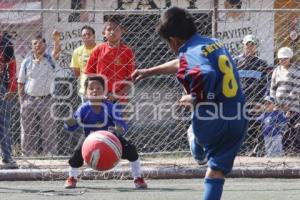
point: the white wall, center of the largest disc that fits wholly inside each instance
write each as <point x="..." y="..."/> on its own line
<point x="70" y="31"/>
<point x="230" y="28"/>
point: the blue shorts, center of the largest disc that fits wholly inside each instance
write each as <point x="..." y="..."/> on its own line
<point x="221" y="139"/>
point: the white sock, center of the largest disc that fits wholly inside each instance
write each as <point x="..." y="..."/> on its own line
<point x="135" y="169"/>
<point x="74" y="172"/>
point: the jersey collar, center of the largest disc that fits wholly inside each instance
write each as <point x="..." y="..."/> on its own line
<point x="188" y="43"/>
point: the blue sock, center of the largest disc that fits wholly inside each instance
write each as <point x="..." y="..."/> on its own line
<point x="213" y="189"/>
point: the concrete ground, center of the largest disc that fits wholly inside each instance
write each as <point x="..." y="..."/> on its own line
<point x="167" y="189"/>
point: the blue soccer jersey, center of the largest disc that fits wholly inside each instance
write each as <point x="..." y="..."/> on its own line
<point x="91" y="121"/>
<point x="273" y="123"/>
<point x="208" y="73"/>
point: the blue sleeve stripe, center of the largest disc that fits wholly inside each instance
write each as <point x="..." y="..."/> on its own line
<point x="71" y="128"/>
<point x="250" y="74"/>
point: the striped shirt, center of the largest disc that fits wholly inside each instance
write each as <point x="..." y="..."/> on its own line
<point x="285" y="87"/>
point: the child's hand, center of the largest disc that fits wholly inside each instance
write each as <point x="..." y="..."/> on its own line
<point x="187" y="100"/>
<point x="111" y="97"/>
<point x="9" y="96"/>
<point x="288" y="114"/>
<point x="71" y="121"/>
<point x="111" y="129"/>
<point x="118" y="130"/>
<point x="285" y="108"/>
<point x="139" y="74"/>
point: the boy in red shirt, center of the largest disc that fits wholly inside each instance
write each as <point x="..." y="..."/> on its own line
<point x="114" y="60"/>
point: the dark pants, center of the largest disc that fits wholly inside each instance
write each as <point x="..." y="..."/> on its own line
<point x="36" y="113"/>
<point x="254" y="142"/>
<point x="291" y="138"/>
<point x="5" y="115"/>
<point x="128" y="152"/>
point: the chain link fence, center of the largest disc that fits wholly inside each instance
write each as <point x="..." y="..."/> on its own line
<point x="157" y="124"/>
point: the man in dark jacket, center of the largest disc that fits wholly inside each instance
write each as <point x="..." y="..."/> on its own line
<point x="254" y="76"/>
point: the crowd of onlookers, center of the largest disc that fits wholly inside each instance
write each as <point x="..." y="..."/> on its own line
<point x="275" y="90"/>
<point x="112" y="59"/>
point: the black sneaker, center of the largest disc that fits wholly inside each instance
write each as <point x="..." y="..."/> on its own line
<point x="202" y="162"/>
<point x="9" y="164"/>
<point x="201" y="158"/>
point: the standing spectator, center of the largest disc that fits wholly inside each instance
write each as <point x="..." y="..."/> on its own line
<point x="285" y="90"/>
<point x="7" y="90"/>
<point x="254" y="74"/>
<point x="82" y="54"/>
<point x="35" y="80"/>
<point x="113" y="60"/>
<point x="273" y="126"/>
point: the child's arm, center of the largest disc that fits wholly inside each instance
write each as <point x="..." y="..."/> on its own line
<point x="117" y="129"/>
<point x="121" y="126"/>
<point x="260" y="117"/>
<point x="170" y="67"/>
<point x="72" y="124"/>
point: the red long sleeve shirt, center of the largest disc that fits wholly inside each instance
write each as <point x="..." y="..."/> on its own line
<point x="8" y="64"/>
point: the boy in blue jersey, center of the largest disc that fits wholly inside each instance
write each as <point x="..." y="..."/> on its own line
<point x="274" y="123"/>
<point x="99" y="114"/>
<point x="210" y="79"/>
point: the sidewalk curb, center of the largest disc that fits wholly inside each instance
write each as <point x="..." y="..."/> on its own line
<point x="174" y="172"/>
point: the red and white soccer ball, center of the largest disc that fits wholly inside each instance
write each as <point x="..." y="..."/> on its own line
<point x="101" y="150"/>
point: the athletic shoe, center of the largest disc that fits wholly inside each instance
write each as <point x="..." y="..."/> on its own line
<point x="9" y="164"/>
<point x="70" y="182"/>
<point x="140" y="183"/>
<point x="197" y="149"/>
<point x="202" y="161"/>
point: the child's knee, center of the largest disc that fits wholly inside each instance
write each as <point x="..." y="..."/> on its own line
<point x="130" y="153"/>
<point x="214" y="174"/>
<point x="75" y="163"/>
<point x="76" y="160"/>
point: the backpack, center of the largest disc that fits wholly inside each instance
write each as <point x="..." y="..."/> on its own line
<point x="28" y="62"/>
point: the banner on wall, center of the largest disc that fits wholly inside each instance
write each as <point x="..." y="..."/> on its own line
<point x="20" y="26"/>
<point x="233" y="26"/>
<point x="69" y="25"/>
<point x="12" y="18"/>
